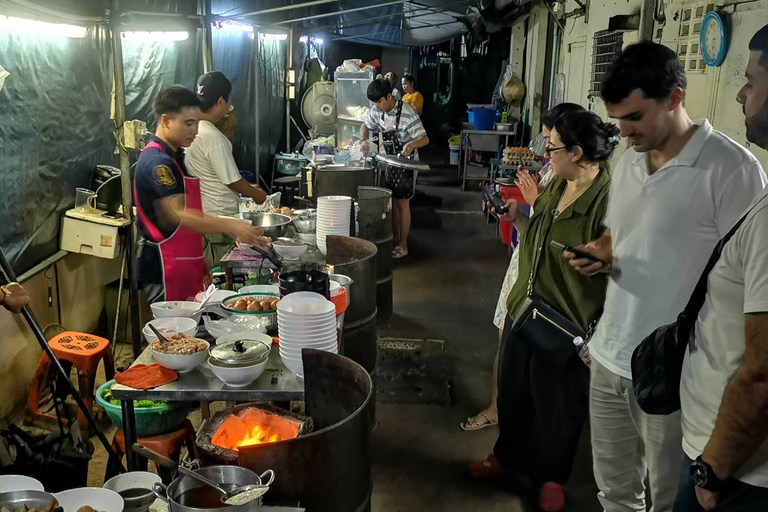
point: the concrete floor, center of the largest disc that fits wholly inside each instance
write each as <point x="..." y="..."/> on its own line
<point x="447" y="288"/>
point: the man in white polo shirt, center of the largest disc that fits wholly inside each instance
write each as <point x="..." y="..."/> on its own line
<point x="676" y="191"/>
<point x="724" y="390"/>
<point x="210" y="159"/>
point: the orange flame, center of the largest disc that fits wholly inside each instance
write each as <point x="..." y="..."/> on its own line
<point x="258" y="435"/>
<point x="253" y="427"/>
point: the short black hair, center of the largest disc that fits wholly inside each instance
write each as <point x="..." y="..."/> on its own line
<point x="759" y="42"/>
<point x="586" y="130"/>
<point x="653" y="68"/>
<point x="378" y="89"/>
<point x="410" y="79"/>
<point x="173" y="100"/>
<point x="549" y="117"/>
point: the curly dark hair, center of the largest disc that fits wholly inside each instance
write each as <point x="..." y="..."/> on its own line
<point x="653" y="68"/>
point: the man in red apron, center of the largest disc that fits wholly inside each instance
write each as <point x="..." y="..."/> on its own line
<point x="170" y="263"/>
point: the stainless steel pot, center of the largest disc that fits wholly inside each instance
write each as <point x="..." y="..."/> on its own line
<point x="228" y="476"/>
<point x="14" y="500"/>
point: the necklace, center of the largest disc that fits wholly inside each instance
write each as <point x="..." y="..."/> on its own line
<point x="563" y="204"/>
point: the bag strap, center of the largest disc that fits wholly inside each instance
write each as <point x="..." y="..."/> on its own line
<point x="397" y="114"/>
<point x="536" y="255"/>
<point x="691" y="311"/>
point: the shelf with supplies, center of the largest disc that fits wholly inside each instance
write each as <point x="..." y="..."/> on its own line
<point x="477" y="141"/>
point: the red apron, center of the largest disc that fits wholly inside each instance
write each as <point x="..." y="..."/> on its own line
<point x="181" y="254"/>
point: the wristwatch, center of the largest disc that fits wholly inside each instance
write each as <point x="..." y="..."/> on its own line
<point x="704" y="476"/>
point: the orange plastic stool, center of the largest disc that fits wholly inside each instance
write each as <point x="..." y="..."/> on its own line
<point x="168" y="445"/>
<point x="84" y="352"/>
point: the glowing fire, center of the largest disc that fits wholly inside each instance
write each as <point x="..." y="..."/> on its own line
<point x="254" y="426"/>
<point x="259" y="435"/>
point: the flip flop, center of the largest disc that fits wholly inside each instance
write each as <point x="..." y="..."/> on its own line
<point x="399" y="252"/>
<point x="472" y="424"/>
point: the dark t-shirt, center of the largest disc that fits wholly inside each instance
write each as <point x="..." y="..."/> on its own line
<point x="157" y="177"/>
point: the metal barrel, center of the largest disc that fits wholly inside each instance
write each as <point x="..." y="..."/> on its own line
<point x="375" y="223"/>
<point x="342" y="180"/>
<point x="356" y="258"/>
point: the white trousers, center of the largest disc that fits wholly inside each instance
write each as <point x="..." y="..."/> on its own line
<point x="627" y="444"/>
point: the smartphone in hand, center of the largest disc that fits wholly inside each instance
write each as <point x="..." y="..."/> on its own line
<point x="495" y="199"/>
<point x="576" y="252"/>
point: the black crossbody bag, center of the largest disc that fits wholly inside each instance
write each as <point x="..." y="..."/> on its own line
<point x="542" y="327"/>
<point x="657" y="363"/>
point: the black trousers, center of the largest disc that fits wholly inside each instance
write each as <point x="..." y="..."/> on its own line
<point x="542" y="409"/>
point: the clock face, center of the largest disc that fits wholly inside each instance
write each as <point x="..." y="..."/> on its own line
<point x="712" y="37"/>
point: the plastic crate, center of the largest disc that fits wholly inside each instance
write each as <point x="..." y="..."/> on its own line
<point x="150" y="421"/>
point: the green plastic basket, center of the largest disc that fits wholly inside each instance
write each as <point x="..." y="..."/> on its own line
<point x="150" y="421"/>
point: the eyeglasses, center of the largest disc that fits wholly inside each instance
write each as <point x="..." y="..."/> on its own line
<point x="548" y="151"/>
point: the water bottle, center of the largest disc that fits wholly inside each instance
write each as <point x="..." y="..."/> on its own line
<point x="583" y="349"/>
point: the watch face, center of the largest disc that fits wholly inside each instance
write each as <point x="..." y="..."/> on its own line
<point x="699" y="475"/>
<point x="713" y="38"/>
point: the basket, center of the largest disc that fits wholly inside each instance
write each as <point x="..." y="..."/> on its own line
<point x="150" y="421"/>
<point x="270" y="317"/>
<point x="288" y="165"/>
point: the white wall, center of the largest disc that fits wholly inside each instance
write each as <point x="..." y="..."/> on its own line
<point x="711" y="94"/>
<point x="82" y="280"/>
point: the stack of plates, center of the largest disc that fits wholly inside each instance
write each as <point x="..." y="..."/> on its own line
<point x="305" y="320"/>
<point x="333" y="218"/>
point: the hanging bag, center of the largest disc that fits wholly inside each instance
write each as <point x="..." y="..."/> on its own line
<point x="657" y="363"/>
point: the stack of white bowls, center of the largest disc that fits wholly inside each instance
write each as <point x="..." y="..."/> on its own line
<point x="333" y="218"/>
<point x="305" y="320"/>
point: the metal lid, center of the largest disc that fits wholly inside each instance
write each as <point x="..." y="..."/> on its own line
<point x="242" y="352"/>
<point x="402" y="162"/>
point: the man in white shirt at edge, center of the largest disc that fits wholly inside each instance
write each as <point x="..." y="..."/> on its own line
<point x="724" y="388"/>
<point x="677" y="190"/>
<point x="210" y="159"/>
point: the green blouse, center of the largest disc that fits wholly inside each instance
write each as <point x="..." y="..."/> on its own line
<point x="578" y="297"/>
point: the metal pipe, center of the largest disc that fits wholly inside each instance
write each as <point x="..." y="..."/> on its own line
<point x="288" y="67"/>
<point x="285" y="8"/>
<point x="647" y="11"/>
<point x="553" y="69"/>
<point x="257" y="90"/>
<point x="207" y="38"/>
<point x="345" y="11"/>
<point x="42" y="266"/>
<point x="125" y="168"/>
<point x="390" y="31"/>
<point x="368" y="21"/>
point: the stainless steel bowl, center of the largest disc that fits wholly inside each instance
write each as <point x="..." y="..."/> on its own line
<point x="305" y="225"/>
<point x="274" y="224"/>
<point x="14" y="500"/>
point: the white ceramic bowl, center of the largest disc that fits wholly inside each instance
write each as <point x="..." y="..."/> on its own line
<point x="102" y="500"/>
<point x="293" y="346"/>
<point x="260" y="288"/>
<point x="294" y="365"/>
<point x="308" y="238"/>
<point x="297" y="352"/>
<point x="305" y="304"/>
<point x="182" y="363"/>
<point x="10" y="483"/>
<point x="238" y="377"/>
<point x="170" y="326"/>
<point x="174" y="308"/>
<point x="289" y="252"/>
<point x="331" y="199"/>
<point x="135" y="480"/>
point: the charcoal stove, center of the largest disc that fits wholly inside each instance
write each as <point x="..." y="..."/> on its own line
<point x="326" y="466"/>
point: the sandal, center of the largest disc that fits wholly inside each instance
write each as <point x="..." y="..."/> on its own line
<point x="486" y="469"/>
<point x="399" y="252"/>
<point x="551" y="497"/>
<point x="478" y="422"/>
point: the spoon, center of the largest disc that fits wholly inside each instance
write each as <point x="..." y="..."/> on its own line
<point x="239" y="496"/>
<point x="162" y="338"/>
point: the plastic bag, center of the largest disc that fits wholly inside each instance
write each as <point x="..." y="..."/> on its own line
<point x="3" y="75"/>
<point x="247" y="204"/>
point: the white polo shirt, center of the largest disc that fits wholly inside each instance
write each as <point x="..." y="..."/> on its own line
<point x="664" y="227"/>
<point x="737" y="285"/>
<point x="210" y="159"/>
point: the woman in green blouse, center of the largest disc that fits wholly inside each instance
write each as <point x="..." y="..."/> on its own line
<point x="542" y="407"/>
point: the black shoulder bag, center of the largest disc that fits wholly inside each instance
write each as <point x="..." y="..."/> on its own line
<point x="657" y="363"/>
<point x="547" y="331"/>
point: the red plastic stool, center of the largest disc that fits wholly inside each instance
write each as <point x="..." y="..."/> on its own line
<point x="168" y="445"/>
<point x="84" y="352"/>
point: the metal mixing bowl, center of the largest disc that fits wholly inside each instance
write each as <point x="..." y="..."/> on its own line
<point x="274" y="224"/>
<point x="32" y="499"/>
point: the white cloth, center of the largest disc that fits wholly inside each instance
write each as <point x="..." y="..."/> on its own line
<point x="737" y="285"/>
<point x="210" y="159"/>
<point x="627" y="443"/>
<point x="500" y="316"/>
<point x="664" y="227"/>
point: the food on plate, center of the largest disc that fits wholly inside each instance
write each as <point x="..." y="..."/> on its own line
<point x="254" y="304"/>
<point x="283" y="211"/>
<point x="179" y="344"/>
